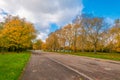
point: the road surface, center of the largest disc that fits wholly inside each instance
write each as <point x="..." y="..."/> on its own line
<point x="53" y="66"/>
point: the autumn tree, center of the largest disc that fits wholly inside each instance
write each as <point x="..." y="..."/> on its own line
<point x="86" y="33"/>
<point x="52" y="42"/>
<point x="61" y="38"/>
<point x="67" y="35"/>
<point x="80" y="38"/>
<point x="114" y="37"/>
<point x="18" y="33"/>
<point x="117" y="38"/>
<point x="37" y="45"/>
<point x="94" y="27"/>
<point x="44" y="46"/>
<point x="2" y="43"/>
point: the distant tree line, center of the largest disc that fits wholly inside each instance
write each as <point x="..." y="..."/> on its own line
<point x="16" y="34"/>
<point x="87" y="33"/>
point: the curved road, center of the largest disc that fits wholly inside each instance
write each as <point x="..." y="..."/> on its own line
<point x="53" y="66"/>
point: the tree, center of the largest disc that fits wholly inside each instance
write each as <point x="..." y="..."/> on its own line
<point x="52" y="42"/>
<point x="94" y="27"/>
<point x="37" y="45"/>
<point x="44" y="47"/>
<point x="80" y="37"/>
<point x="61" y="38"/>
<point x="2" y="41"/>
<point x="18" y="33"/>
<point x="68" y="35"/>
<point x="86" y="33"/>
<point x="114" y="37"/>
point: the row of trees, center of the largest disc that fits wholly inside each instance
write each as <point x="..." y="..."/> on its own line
<point x="86" y="33"/>
<point x="16" y="34"/>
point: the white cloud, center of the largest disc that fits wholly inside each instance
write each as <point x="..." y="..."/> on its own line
<point x="42" y="36"/>
<point x="44" y="12"/>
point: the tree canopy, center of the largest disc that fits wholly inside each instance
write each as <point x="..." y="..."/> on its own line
<point x="86" y="33"/>
<point x="16" y="34"/>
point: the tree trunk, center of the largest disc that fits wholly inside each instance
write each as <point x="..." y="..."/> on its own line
<point x="95" y="47"/>
<point x="83" y="47"/>
<point x="95" y="51"/>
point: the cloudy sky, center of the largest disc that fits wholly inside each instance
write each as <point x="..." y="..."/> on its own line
<point x="49" y="15"/>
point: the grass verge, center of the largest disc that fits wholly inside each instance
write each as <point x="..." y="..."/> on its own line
<point x="110" y="56"/>
<point x="12" y="64"/>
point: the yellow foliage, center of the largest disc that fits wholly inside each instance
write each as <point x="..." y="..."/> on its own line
<point x="18" y="33"/>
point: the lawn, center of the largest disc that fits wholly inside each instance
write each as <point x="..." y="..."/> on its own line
<point x="12" y="64"/>
<point x="110" y="56"/>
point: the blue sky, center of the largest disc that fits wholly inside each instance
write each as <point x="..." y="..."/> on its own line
<point x="50" y="15"/>
<point x="53" y="27"/>
<point x="101" y="8"/>
<point x="104" y="8"/>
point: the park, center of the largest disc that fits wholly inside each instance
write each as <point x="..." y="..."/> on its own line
<point x="63" y="41"/>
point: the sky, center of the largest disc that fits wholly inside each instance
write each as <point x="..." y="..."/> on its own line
<point x="50" y="15"/>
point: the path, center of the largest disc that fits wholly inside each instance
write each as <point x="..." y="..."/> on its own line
<point x="51" y="66"/>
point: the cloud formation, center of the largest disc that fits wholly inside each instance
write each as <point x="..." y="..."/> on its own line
<point x="43" y="12"/>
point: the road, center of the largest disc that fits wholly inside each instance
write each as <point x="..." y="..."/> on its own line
<point x="53" y="66"/>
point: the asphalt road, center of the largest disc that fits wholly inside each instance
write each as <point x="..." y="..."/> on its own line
<point x="52" y="66"/>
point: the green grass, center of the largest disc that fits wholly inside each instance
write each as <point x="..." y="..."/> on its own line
<point x="110" y="56"/>
<point x="12" y="64"/>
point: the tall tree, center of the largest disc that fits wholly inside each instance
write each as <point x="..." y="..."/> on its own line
<point x="37" y="45"/>
<point x="94" y="27"/>
<point x="18" y="33"/>
<point x="114" y="37"/>
<point x="2" y="39"/>
<point x="52" y="42"/>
